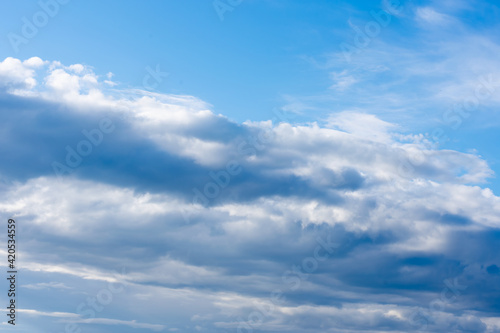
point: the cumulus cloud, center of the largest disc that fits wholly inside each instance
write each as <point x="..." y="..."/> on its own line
<point x="14" y="73"/>
<point x="211" y="216"/>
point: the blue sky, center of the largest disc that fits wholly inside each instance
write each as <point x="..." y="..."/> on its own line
<point x="178" y="163"/>
<point x="267" y="55"/>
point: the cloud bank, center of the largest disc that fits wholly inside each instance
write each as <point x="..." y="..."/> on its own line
<point x="357" y="226"/>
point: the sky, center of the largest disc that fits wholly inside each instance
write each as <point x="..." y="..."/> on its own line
<point x="251" y="165"/>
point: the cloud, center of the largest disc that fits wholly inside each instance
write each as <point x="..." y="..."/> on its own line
<point x="428" y="15"/>
<point x="131" y="323"/>
<point x="426" y="80"/>
<point x="342" y="81"/>
<point x="14" y="73"/>
<point x="46" y="286"/>
<point x="362" y="125"/>
<point x="74" y="318"/>
<point x="398" y="210"/>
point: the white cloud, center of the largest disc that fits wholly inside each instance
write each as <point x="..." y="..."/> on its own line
<point x="43" y="285"/>
<point x="428" y="15"/>
<point x="14" y="73"/>
<point x="75" y="318"/>
<point x="362" y="125"/>
<point x="342" y="80"/>
<point x="130" y="323"/>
